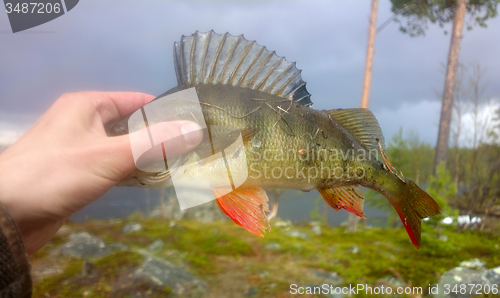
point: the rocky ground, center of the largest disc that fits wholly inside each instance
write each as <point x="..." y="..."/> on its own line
<point x="153" y="257"/>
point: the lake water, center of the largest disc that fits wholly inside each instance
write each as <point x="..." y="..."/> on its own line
<point x="295" y="206"/>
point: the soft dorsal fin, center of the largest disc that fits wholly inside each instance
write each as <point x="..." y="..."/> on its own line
<point x="363" y="124"/>
<point x="211" y="58"/>
<point x="350" y="198"/>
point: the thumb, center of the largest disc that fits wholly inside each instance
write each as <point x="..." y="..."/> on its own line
<point x="159" y="141"/>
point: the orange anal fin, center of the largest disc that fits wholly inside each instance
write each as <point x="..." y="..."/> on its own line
<point x="350" y="198"/>
<point x="246" y="206"/>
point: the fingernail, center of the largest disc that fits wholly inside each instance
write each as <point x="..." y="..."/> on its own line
<point x="191" y="132"/>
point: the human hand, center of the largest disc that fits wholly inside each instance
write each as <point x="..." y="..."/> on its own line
<point x="66" y="161"/>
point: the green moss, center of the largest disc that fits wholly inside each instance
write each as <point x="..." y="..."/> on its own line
<point x="386" y="252"/>
<point x="197" y="237"/>
<point x="211" y="249"/>
<point x="58" y="285"/>
<point x="115" y="263"/>
<point x="70" y="284"/>
<point x="203" y="265"/>
<point x="201" y="241"/>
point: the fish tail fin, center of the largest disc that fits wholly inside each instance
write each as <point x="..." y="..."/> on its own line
<point x="413" y="204"/>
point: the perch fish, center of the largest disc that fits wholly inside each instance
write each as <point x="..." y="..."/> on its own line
<point x="287" y="143"/>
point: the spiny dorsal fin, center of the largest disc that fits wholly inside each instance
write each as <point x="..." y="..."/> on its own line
<point x="350" y="198"/>
<point x="211" y="58"/>
<point x="363" y="124"/>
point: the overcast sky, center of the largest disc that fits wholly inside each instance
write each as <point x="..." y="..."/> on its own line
<point x="127" y="46"/>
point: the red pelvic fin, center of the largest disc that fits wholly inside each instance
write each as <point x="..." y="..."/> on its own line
<point x="246" y="206"/>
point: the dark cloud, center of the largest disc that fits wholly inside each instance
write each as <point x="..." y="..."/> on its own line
<point x="127" y="45"/>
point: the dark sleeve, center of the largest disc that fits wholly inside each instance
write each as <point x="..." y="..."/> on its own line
<point x="15" y="277"/>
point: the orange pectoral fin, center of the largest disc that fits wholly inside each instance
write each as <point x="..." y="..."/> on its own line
<point x="350" y="198"/>
<point x="246" y="206"/>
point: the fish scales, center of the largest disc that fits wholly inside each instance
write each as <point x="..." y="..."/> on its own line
<point x="283" y="137"/>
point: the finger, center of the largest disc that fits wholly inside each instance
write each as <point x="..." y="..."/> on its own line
<point x="113" y="105"/>
<point x="143" y="147"/>
<point x="177" y="137"/>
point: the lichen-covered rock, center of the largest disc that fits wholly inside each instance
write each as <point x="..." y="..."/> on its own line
<point x="329" y="277"/>
<point x="119" y="246"/>
<point x="473" y="264"/>
<point x="279" y="223"/>
<point x="84" y="245"/>
<point x="156" y="245"/>
<point x="273" y="246"/>
<point x="132" y="227"/>
<point x="316" y="228"/>
<point x="493" y="275"/>
<point x="354" y="249"/>
<point x="158" y="275"/>
<point x="297" y="234"/>
<point x="327" y="285"/>
<point x="464" y="275"/>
